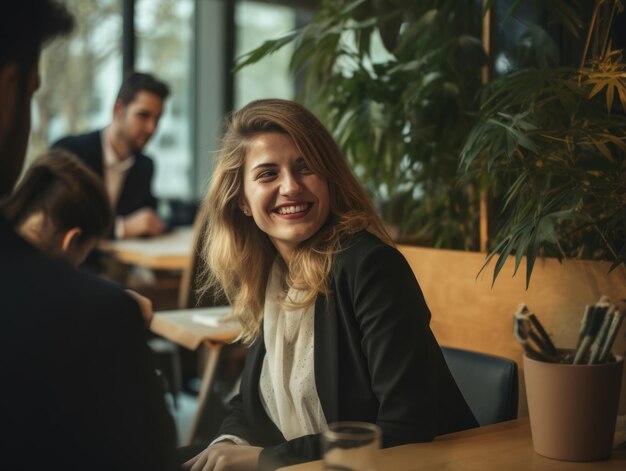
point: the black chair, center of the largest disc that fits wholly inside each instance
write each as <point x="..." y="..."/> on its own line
<point x="488" y="383"/>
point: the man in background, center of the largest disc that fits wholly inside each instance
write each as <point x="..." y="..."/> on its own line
<point x="79" y="388"/>
<point x="115" y="154"/>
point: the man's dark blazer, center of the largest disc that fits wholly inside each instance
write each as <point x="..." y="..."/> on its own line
<point x="376" y="360"/>
<point x="79" y="388"/>
<point x="137" y="190"/>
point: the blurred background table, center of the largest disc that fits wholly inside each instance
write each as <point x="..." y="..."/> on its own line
<point x="507" y="445"/>
<point x="170" y="251"/>
<point x="152" y="266"/>
<point x="192" y="328"/>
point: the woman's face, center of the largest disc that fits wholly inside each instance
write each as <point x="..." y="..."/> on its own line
<point x="286" y="199"/>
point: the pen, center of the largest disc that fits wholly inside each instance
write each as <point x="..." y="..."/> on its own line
<point x="598" y="343"/>
<point x="612" y="333"/>
<point x="594" y="321"/>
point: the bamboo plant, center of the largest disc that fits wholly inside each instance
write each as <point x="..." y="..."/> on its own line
<point x="551" y="142"/>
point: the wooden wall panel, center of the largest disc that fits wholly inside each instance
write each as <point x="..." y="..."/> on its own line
<point x="468" y="313"/>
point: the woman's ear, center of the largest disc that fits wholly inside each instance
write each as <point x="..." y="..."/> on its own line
<point x="74" y="249"/>
<point x="70" y="238"/>
<point x="245" y="209"/>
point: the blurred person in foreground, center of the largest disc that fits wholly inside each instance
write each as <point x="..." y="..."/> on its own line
<point x="61" y="207"/>
<point x="80" y="390"/>
<point x="115" y="154"/>
<point x="337" y="325"/>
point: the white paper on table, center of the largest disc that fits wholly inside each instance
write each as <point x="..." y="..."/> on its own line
<point x="211" y="320"/>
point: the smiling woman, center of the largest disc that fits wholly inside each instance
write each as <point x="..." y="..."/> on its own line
<point x="337" y="325"/>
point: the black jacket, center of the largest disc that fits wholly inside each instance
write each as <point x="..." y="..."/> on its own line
<point x="137" y="190"/>
<point x="79" y="389"/>
<point x="376" y="360"/>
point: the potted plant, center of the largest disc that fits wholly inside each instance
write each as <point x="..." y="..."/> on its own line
<point x="549" y="141"/>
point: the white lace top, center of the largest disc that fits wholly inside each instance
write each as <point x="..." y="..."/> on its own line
<point x="287" y="384"/>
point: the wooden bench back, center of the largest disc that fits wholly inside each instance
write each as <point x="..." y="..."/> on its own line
<point x="468" y="313"/>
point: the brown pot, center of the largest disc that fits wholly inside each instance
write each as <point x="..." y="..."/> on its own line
<point x="573" y="408"/>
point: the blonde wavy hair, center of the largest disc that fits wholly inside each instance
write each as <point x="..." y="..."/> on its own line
<point x="237" y="253"/>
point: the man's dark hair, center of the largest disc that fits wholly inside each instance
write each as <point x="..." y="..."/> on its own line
<point x="136" y="82"/>
<point x="26" y="26"/>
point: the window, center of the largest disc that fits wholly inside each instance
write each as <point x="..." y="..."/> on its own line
<point x="255" y="23"/>
<point x="181" y="42"/>
<point x="80" y="76"/>
<point x="164" y="30"/>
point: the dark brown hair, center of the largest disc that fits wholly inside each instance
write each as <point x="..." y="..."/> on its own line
<point x="136" y="82"/>
<point x="27" y="25"/>
<point x="66" y="192"/>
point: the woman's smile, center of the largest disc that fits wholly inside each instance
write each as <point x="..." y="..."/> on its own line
<point x="293" y="211"/>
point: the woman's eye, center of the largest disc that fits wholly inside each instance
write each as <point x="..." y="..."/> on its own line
<point x="265" y="175"/>
<point x="305" y="170"/>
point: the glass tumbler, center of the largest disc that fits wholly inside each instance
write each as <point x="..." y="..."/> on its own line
<point x="351" y="446"/>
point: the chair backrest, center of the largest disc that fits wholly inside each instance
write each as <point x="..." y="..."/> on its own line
<point x="189" y="295"/>
<point x="488" y="383"/>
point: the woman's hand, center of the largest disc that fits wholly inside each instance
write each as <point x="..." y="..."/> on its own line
<point x="225" y="456"/>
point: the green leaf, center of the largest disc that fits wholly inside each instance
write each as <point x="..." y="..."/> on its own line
<point x="487" y="5"/>
<point x="569" y="214"/>
<point x="602" y="148"/>
<point x="526" y="233"/>
<point x="531" y="256"/>
<point x="351" y="7"/>
<point x="547" y="232"/>
<point x="517" y="136"/>
<point x="514" y="189"/>
<point x="566" y="12"/>
<point x="267" y="48"/>
<point x="617" y="141"/>
<point x="504" y="255"/>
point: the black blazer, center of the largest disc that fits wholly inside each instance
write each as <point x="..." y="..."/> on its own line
<point x="137" y="190"/>
<point x="376" y="360"/>
<point x="79" y="388"/>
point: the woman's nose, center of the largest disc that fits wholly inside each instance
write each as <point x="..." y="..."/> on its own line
<point x="290" y="185"/>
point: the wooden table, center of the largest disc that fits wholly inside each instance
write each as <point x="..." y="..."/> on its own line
<point x="191" y="328"/>
<point x="505" y="446"/>
<point x="170" y="251"/>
